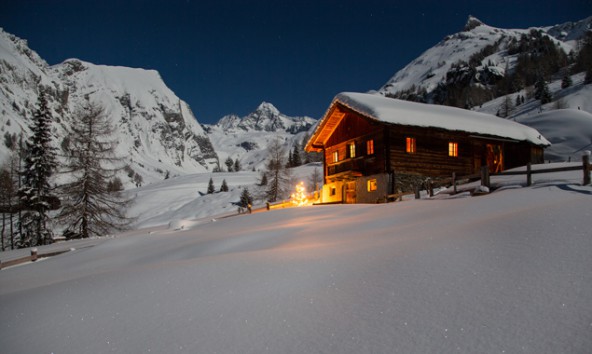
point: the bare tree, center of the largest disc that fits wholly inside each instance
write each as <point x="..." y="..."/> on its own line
<point x="89" y="206"/>
<point x="278" y="177"/>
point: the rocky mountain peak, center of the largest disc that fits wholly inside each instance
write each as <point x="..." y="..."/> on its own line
<point x="472" y="22"/>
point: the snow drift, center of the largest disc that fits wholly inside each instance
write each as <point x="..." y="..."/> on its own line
<point x="508" y="272"/>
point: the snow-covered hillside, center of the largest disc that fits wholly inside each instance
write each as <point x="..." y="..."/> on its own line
<point x="566" y="122"/>
<point x="156" y="130"/>
<point x="432" y="67"/>
<point x="508" y="272"/>
<point x="248" y="138"/>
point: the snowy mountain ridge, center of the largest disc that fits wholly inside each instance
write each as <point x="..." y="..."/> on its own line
<point x="435" y="65"/>
<point x="247" y="138"/>
<point x="156" y="131"/>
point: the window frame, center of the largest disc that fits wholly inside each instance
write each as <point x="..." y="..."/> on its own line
<point x="370" y="147"/>
<point x="372" y="185"/>
<point x="351" y="149"/>
<point x="410" y="145"/>
<point x="453" y="149"/>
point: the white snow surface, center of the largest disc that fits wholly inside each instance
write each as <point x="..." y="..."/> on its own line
<point x="425" y="115"/>
<point x="507" y="272"/>
<point x="430" y="68"/>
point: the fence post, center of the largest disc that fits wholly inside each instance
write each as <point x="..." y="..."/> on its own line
<point x="528" y="175"/>
<point x="454" y="182"/>
<point x="485" y="176"/>
<point x="416" y="190"/>
<point x="586" y="167"/>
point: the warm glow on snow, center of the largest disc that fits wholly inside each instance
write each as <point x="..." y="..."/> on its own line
<point x="299" y="198"/>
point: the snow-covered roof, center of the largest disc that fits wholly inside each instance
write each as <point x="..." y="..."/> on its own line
<point x="401" y="112"/>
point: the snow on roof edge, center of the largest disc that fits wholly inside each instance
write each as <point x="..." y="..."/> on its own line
<point x="395" y="111"/>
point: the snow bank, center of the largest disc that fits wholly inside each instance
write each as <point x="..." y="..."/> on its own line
<point x="508" y="272"/>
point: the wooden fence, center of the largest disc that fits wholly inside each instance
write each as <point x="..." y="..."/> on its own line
<point x="32" y="258"/>
<point x="585" y="168"/>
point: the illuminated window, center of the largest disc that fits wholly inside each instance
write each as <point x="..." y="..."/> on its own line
<point x="452" y="149"/>
<point x="410" y="145"/>
<point x="370" y="147"/>
<point x="352" y="150"/>
<point x="372" y="186"/>
<point x="335" y="156"/>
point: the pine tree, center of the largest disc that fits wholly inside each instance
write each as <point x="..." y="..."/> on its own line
<point x="245" y="199"/>
<point x="290" y="162"/>
<point x="229" y="164"/>
<point x="506" y="107"/>
<point x="566" y="81"/>
<point x="91" y="204"/>
<point x="224" y="186"/>
<point x="263" y="181"/>
<point x="237" y="165"/>
<point x="588" y="77"/>
<point x="296" y="160"/>
<point x="9" y="198"/>
<point x="211" y="189"/>
<point x="36" y="193"/>
<point x="542" y="92"/>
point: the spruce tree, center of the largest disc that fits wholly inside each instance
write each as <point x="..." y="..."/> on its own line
<point x="92" y="206"/>
<point x="211" y="189"/>
<point x="36" y="193"/>
<point x="296" y="160"/>
<point x="224" y="186"/>
<point x="542" y="92"/>
<point x="229" y="164"/>
<point x="237" y="165"/>
<point x="588" y="77"/>
<point x="263" y="181"/>
<point x="245" y="199"/>
<point x="566" y="81"/>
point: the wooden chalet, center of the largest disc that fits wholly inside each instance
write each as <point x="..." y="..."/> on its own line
<point x="374" y="146"/>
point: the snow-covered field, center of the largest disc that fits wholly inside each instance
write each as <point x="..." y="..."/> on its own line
<point x="507" y="272"/>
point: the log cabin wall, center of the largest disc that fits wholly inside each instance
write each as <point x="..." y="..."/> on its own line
<point x="431" y="155"/>
<point x="356" y="130"/>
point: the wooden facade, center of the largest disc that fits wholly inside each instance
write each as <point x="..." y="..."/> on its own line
<point x="366" y="159"/>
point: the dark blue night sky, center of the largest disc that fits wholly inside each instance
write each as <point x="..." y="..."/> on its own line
<point x="228" y="56"/>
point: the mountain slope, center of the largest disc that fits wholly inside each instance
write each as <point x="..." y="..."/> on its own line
<point x="248" y="138"/>
<point x="479" y="56"/>
<point x="156" y="131"/>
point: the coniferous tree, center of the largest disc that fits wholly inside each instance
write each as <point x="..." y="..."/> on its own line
<point x="296" y="160"/>
<point x="541" y="91"/>
<point x="245" y="199"/>
<point x="9" y="198"/>
<point x="224" y="186"/>
<point x="588" y="77"/>
<point x="229" y="164"/>
<point x="36" y="194"/>
<point x="506" y="107"/>
<point x="263" y="181"/>
<point x="237" y="165"/>
<point x="290" y="162"/>
<point x="92" y="206"/>
<point x="211" y="189"/>
<point x="566" y="81"/>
